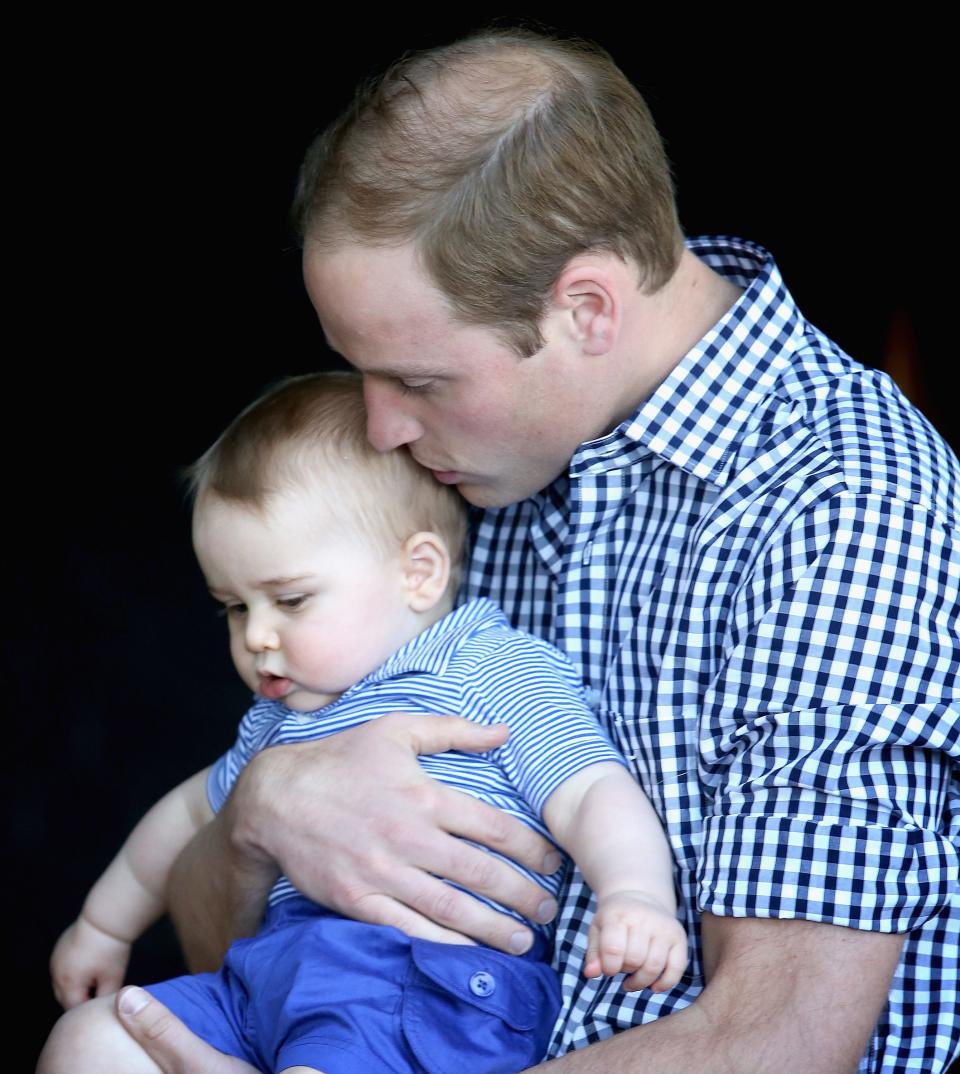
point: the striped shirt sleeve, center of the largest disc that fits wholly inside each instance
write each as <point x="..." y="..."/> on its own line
<point x="534" y="689"/>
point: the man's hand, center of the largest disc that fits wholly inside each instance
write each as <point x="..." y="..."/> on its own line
<point x="357" y="826"/>
<point x="631" y="933"/>
<point x="87" y="961"/>
<point x="167" y="1040"/>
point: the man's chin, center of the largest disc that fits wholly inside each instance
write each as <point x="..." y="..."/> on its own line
<point x="491" y="496"/>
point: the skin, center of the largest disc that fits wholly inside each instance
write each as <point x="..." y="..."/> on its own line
<point x="797" y="997"/>
<point x="780" y="995"/>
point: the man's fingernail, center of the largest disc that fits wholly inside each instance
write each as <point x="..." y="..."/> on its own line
<point x="133" y="1001"/>
<point x="551" y="863"/>
<point x="520" y="942"/>
<point x="546" y="911"/>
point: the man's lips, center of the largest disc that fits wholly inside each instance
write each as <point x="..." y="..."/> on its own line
<point x="272" y="687"/>
<point x="446" y="477"/>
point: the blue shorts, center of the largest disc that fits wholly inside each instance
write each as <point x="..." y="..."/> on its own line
<point x="315" y="989"/>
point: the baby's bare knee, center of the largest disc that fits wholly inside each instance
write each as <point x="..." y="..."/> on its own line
<point x="89" y="1039"/>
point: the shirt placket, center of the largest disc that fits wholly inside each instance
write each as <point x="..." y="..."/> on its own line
<point x="582" y="609"/>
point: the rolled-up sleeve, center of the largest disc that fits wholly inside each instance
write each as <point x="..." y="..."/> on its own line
<point x="830" y="740"/>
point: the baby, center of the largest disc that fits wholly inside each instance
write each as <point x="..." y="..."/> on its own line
<point x="337" y="569"/>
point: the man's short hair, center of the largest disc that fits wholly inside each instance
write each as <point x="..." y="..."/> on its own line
<point x="502" y="156"/>
<point x="308" y="434"/>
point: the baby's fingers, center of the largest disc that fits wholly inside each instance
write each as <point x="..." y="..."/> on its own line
<point x="613" y="947"/>
<point x="591" y="961"/>
<point x="662" y="966"/>
<point x="649" y="964"/>
<point x="71" y="992"/>
<point x="108" y="982"/>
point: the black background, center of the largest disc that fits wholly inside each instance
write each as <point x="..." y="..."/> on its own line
<point x="156" y="290"/>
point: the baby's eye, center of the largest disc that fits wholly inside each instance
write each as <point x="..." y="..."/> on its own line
<point x="234" y="611"/>
<point x="291" y="603"/>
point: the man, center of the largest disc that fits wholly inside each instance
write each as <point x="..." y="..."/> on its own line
<point x="747" y="544"/>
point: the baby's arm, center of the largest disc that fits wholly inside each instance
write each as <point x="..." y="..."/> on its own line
<point x="92" y="955"/>
<point x="607" y="825"/>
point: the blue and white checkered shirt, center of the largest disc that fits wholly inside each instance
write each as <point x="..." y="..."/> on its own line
<point x="757" y="577"/>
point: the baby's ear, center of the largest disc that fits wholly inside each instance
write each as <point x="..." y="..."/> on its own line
<point x="426" y="569"/>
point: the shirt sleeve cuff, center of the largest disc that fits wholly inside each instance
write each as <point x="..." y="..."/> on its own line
<point x="865" y="876"/>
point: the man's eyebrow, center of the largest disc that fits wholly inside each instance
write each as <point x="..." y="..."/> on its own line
<point x="405" y="373"/>
<point x="387" y="371"/>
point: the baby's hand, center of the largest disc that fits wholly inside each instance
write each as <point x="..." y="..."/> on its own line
<point x="87" y="960"/>
<point x="632" y="933"/>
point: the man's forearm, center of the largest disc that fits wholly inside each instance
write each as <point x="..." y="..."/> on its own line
<point x="216" y="895"/>
<point x="795" y="997"/>
<point x="670" y="1045"/>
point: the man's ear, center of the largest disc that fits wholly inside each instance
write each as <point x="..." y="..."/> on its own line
<point x="587" y="292"/>
<point x="426" y="570"/>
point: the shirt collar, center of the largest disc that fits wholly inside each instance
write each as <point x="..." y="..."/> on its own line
<point x="432" y="650"/>
<point x="695" y="416"/>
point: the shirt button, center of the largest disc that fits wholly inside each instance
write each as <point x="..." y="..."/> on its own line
<point x="483" y="984"/>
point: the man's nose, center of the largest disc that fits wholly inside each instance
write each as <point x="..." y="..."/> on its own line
<point x="260" y="633"/>
<point x="389" y="422"/>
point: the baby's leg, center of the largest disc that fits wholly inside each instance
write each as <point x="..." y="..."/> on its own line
<point x="89" y="1039"/>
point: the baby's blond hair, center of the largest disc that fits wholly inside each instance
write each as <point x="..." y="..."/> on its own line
<point x="308" y="434"/>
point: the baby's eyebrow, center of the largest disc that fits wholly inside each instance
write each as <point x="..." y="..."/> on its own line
<point x="272" y="582"/>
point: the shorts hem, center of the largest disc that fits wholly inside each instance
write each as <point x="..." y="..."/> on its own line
<point x="346" y="1060"/>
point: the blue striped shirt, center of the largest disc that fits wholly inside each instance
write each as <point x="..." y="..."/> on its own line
<point x="757" y="574"/>
<point x="473" y="664"/>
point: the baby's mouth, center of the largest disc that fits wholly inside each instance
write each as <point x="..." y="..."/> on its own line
<point x="271" y="686"/>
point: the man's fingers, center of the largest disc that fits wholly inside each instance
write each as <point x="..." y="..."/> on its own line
<point x="382" y="910"/>
<point x="490" y="827"/>
<point x="438" y="734"/>
<point x="440" y="911"/>
<point x="167" y="1040"/>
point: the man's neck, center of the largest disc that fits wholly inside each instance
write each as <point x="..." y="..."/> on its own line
<point x="660" y="329"/>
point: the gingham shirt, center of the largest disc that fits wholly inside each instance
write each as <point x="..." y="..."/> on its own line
<point x="756" y="575"/>
<point x="471" y="662"/>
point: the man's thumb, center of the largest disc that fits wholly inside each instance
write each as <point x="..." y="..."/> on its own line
<point x="167" y="1040"/>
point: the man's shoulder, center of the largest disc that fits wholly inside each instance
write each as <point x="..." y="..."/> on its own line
<point x="832" y="427"/>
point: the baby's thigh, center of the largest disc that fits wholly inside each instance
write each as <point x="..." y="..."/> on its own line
<point x="91" y="1038"/>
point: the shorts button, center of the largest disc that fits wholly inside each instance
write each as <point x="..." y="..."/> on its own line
<point x="483" y="984"/>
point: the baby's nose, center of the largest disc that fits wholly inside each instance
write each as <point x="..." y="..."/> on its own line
<point x="260" y="635"/>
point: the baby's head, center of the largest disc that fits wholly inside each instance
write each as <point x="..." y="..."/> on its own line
<point x="327" y="555"/>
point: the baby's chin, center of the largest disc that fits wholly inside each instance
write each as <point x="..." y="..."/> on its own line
<point x="298" y="700"/>
<point x="286" y="692"/>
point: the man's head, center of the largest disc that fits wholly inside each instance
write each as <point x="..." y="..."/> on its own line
<point x="476" y="229"/>
<point x="327" y="555"/>
<point x="500" y="158"/>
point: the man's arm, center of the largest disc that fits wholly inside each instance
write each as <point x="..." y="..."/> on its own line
<point x="793" y="997"/>
<point x="356" y="825"/>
